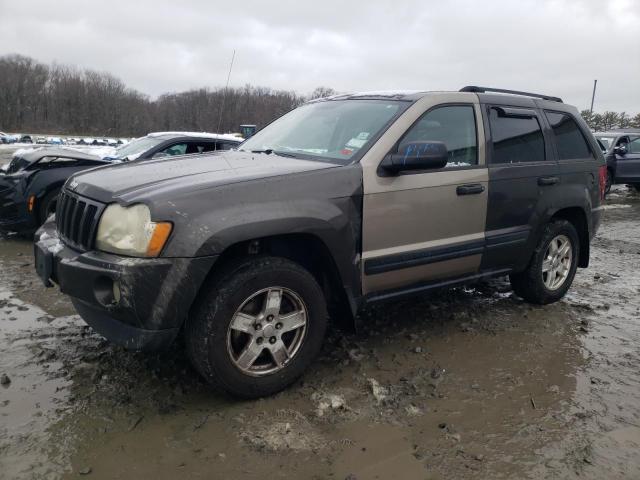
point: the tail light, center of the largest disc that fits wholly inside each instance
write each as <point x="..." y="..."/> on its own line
<point x="603" y="181"/>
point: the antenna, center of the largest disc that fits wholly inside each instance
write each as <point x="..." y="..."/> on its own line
<point x="224" y="94"/>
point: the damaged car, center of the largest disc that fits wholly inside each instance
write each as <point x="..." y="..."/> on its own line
<point x="343" y="202"/>
<point x="30" y="184"/>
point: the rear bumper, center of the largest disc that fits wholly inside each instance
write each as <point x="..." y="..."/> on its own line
<point x="139" y="303"/>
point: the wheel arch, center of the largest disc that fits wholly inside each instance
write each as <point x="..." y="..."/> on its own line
<point x="578" y="218"/>
<point x="312" y="253"/>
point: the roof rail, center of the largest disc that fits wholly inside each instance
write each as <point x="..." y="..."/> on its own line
<point x="473" y="88"/>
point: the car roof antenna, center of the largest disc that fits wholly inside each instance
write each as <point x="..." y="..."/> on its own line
<point x="224" y="94"/>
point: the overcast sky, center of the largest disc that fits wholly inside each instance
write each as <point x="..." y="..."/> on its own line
<point x="556" y="47"/>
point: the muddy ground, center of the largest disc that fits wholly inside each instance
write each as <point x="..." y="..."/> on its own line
<point x="469" y="383"/>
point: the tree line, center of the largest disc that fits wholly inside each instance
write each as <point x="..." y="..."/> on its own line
<point x="600" y="122"/>
<point x="59" y="99"/>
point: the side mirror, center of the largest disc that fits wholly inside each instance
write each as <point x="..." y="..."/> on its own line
<point x="621" y="149"/>
<point x="416" y="156"/>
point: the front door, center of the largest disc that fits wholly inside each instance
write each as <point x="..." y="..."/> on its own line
<point x="426" y="226"/>
<point x="628" y="165"/>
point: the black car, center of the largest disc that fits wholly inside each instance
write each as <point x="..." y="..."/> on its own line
<point x="30" y="184"/>
<point x="621" y="149"/>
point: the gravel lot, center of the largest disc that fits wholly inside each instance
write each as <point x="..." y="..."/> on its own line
<point x="469" y="383"/>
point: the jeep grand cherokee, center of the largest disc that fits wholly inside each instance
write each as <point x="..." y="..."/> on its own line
<point x="342" y="202"/>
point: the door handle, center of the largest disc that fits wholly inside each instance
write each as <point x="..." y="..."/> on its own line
<point x="472" y="189"/>
<point x="542" y="181"/>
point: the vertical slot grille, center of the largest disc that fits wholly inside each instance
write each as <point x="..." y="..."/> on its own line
<point x="77" y="220"/>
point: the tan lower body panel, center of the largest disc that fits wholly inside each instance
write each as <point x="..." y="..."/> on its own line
<point x="435" y="271"/>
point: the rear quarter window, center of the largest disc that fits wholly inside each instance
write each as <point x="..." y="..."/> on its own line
<point x="570" y="141"/>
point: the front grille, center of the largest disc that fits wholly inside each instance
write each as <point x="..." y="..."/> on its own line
<point x="77" y="220"/>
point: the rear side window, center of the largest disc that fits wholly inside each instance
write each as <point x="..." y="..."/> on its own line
<point x="570" y="142"/>
<point x="515" y="139"/>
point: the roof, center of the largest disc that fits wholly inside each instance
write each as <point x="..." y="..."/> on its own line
<point x="215" y="136"/>
<point x="406" y="95"/>
<point x="493" y="94"/>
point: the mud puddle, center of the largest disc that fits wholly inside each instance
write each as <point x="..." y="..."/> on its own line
<point x="470" y="383"/>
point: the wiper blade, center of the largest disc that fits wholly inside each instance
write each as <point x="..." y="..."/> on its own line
<point x="280" y="153"/>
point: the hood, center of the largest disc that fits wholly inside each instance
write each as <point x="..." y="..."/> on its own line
<point x="130" y="181"/>
<point x="25" y="157"/>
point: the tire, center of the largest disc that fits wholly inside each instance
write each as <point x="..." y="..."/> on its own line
<point x="216" y="349"/>
<point x="636" y="186"/>
<point x="609" y="182"/>
<point x="532" y="284"/>
<point x="47" y="205"/>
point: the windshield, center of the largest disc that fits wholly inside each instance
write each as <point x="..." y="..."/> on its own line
<point x="137" y="147"/>
<point x="336" y="129"/>
<point x="606" y="141"/>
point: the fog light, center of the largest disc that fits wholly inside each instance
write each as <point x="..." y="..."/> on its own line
<point x="107" y="291"/>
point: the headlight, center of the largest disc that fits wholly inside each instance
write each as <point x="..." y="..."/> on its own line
<point x="130" y="231"/>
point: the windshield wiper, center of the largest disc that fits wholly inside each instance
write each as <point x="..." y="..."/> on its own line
<point x="269" y="151"/>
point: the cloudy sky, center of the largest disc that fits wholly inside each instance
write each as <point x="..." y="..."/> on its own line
<point x="556" y="47"/>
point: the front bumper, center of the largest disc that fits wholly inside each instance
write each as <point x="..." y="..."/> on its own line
<point x="139" y="303"/>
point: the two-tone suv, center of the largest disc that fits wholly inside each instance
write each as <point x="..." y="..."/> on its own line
<point x="342" y="202"/>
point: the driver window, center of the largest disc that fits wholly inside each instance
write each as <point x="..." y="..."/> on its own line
<point x="178" y="149"/>
<point x="455" y="125"/>
<point x="634" y="146"/>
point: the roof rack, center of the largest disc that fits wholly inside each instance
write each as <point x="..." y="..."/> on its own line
<point x="473" y="88"/>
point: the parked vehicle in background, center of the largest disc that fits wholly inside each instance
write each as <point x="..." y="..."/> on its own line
<point x="55" y="141"/>
<point x="26" y="139"/>
<point x="30" y="186"/>
<point x="622" y="153"/>
<point x="342" y="202"/>
<point x="6" y="138"/>
<point x="41" y="140"/>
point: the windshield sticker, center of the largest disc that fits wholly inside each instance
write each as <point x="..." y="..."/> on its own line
<point x="355" y="143"/>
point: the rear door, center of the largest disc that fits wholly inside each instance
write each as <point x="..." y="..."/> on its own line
<point x="426" y="226"/>
<point x="523" y="180"/>
<point x="628" y="165"/>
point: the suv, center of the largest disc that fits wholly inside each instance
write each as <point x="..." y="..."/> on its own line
<point x="342" y="202"/>
<point x="621" y="150"/>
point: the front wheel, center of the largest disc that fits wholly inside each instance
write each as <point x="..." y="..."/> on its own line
<point x="553" y="265"/>
<point x="257" y="328"/>
<point x="48" y="205"/>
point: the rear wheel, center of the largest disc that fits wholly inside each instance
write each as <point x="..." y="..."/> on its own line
<point x="609" y="182"/>
<point x="257" y="328"/>
<point x="553" y="265"/>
